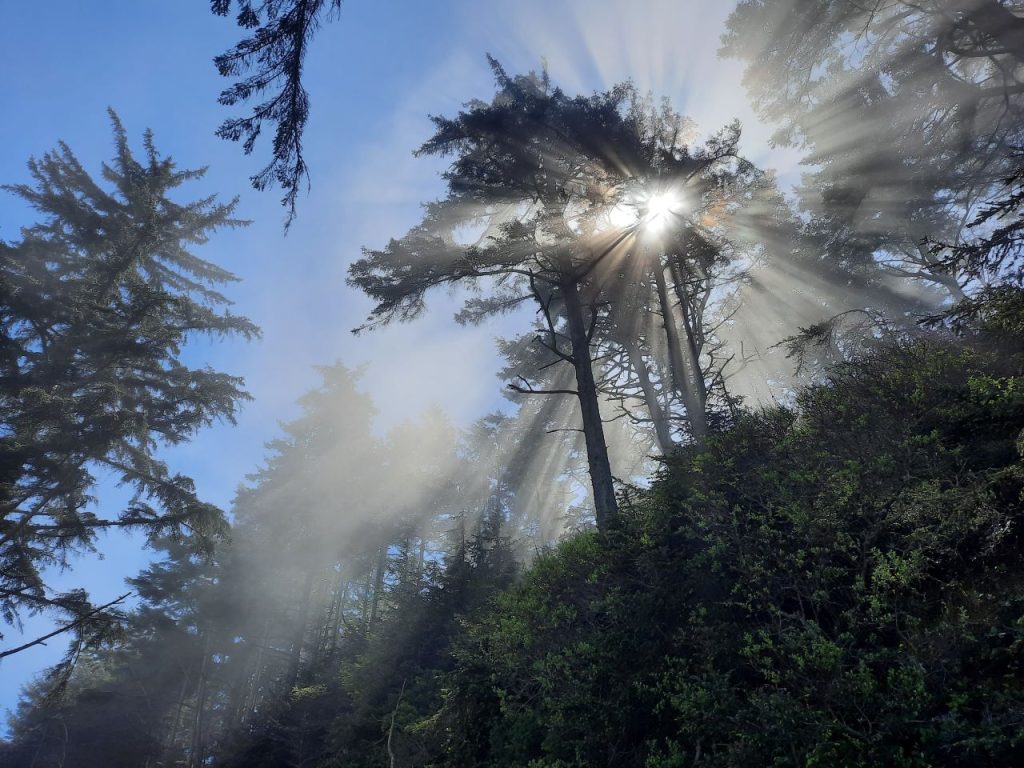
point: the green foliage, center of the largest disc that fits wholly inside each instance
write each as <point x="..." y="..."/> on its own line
<point x="911" y="118"/>
<point x="96" y="303"/>
<point x="832" y="583"/>
<point x="271" y="60"/>
<point x="837" y="584"/>
<point x="379" y="694"/>
<point x="132" y="702"/>
<point x="538" y="174"/>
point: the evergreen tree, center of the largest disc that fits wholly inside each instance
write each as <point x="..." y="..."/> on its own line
<point x="139" y="700"/>
<point x="542" y="174"/>
<point x="271" y="59"/>
<point x="825" y="584"/>
<point x="96" y="303"/>
<point x="910" y="113"/>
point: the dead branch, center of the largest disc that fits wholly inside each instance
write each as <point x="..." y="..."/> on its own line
<point x="81" y="620"/>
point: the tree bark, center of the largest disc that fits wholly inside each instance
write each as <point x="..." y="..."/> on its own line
<point x="605" y="505"/>
<point x="691" y="348"/>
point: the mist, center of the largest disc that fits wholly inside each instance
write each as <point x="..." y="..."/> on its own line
<point x="468" y="369"/>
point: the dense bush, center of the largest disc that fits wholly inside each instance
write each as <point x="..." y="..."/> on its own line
<point x="835" y="584"/>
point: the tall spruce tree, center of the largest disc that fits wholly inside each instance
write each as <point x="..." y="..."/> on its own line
<point x="96" y="303"/>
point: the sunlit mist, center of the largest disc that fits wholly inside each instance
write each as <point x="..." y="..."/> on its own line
<point x="558" y="276"/>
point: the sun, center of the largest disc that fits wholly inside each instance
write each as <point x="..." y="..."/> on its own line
<point x="660" y="209"/>
<point x="648" y="211"/>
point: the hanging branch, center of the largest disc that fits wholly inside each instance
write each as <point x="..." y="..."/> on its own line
<point x="271" y="61"/>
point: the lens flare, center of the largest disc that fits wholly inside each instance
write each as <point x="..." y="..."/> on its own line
<point x="622" y="216"/>
<point x="660" y="209"/>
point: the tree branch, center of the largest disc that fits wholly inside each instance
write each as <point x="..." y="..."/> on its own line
<point x="391" y="728"/>
<point x="529" y="390"/>
<point x="60" y="630"/>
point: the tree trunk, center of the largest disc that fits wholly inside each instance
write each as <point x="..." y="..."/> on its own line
<point x="364" y="603"/>
<point x="605" y="505"/>
<point x="339" y="610"/>
<point x="691" y="348"/>
<point x="300" y="632"/>
<point x="252" y="700"/>
<point x="239" y="692"/>
<point x="199" y="716"/>
<point x="662" y="429"/>
<point x="378" y="583"/>
<point x="172" y="736"/>
<point x="683" y="379"/>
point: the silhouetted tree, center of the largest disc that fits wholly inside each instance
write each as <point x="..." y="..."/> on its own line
<point x="910" y="113"/>
<point x="542" y="174"/>
<point x="96" y="302"/>
<point x="269" y="65"/>
<point x="521" y="163"/>
<point x="140" y="700"/>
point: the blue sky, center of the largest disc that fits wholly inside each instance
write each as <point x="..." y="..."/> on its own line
<point x="374" y="77"/>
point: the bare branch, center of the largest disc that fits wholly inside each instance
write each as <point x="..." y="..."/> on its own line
<point x="60" y="630"/>
<point x="529" y="390"/>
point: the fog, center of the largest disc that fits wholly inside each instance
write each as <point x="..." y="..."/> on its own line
<point x="369" y="462"/>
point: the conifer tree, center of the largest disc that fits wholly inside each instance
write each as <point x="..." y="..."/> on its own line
<point x="910" y="114"/>
<point x="96" y="303"/>
<point x="269" y="66"/>
<point x="542" y="174"/>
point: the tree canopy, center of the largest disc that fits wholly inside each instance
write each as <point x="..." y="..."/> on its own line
<point x="910" y="113"/>
<point x="542" y="176"/>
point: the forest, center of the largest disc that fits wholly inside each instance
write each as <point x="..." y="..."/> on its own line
<point x="750" y="488"/>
